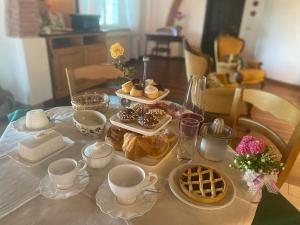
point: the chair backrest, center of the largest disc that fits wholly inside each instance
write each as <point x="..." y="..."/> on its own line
<point x="196" y="63"/>
<point x="226" y="44"/>
<point x="99" y="72"/>
<point x="279" y="108"/>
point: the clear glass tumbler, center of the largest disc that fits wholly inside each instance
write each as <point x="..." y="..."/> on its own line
<point x="188" y="134"/>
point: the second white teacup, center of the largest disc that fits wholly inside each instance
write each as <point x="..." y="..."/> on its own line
<point x="127" y="181"/>
<point x="63" y="172"/>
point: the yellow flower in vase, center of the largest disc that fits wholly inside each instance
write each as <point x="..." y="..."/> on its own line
<point x="116" y="50"/>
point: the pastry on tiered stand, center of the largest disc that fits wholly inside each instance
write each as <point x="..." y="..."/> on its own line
<point x="127" y="115"/>
<point x="136" y="146"/>
<point x="203" y="184"/>
<point x="148" y="120"/>
<point x="115" y="137"/>
<point x="149" y="89"/>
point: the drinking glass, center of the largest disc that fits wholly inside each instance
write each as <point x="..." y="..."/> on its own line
<point x="194" y="98"/>
<point x="188" y="135"/>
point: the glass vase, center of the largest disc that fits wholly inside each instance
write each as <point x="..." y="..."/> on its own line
<point x="194" y="98"/>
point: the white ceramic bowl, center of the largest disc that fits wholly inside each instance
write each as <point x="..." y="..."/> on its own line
<point x="89" y="122"/>
<point x="36" y="119"/>
<point x="97" y="157"/>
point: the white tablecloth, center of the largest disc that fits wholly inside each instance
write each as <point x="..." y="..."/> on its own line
<point x="26" y="206"/>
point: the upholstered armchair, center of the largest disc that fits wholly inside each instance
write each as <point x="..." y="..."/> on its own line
<point x="226" y="45"/>
<point x="196" y="63"/>
<point x="219" y="94"/>
<point x="199" y="64"/>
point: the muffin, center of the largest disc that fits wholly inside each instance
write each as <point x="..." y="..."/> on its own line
<point x="149" y="82"/>
<point x="151" y="92"/>
<point x="135" y="81"/>
<point x="127" y="115"/>
<point x="137" y="90"/>
<point x="126" y="87"/>
<point x="148" y="121"/>
<point x="159" y="87"/>
<point x="158" y="113"/>
<point x="115" y="137"/>
<point x="138" y="108"/>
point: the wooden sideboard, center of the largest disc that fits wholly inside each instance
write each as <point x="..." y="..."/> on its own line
<point x="73" y="50"/>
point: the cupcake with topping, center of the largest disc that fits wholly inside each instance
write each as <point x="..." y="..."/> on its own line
<point x="137" y="90"/>
<point x="151" y="92"/>
<point x="136" y="81"/>
<point x="148" y="121"/>
<point x="127" y="115"/>
<point x="139" y="108"/>
<point x="126" y="87"/>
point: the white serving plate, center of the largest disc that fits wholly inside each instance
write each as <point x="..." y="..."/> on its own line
<point x="142" y="99"/>
<point x="175" y="188"/>
<point x="14" y="154"/>
<point x="135" y="127"/>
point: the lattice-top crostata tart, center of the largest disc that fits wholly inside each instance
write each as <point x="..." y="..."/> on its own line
<point x="203" y="184"/>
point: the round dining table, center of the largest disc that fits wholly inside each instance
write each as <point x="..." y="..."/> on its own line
<point x="22" y="203"/>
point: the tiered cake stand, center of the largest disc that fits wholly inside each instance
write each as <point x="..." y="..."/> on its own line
<point x="135" y="127"/>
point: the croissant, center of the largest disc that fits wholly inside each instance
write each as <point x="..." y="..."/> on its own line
<point x="131" y="146"/>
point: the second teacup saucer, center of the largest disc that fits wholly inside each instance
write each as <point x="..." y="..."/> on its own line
<point x="20" y="125"/>
<point x="108" y="203"/>
<point x="49" y="190"/>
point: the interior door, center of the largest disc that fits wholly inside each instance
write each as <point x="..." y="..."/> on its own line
<point x="222" y="16"/>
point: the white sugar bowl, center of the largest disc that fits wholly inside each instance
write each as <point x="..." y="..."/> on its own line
<point x="97" y="155"/>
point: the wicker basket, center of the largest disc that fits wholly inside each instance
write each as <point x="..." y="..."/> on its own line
<point x="90" y="101"/>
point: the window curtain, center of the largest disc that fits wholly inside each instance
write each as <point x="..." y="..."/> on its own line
<point x="118" y="14"/>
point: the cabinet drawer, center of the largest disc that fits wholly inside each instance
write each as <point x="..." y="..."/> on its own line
<point x="95" y="54"/>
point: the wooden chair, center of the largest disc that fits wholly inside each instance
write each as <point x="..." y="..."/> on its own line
<point x="100" y="73"/>
<point x="279" y="108"/>
<point x="225" y="45"/>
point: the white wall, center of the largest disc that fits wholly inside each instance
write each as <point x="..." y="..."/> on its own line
<point x="38" y="72"/>
<point x="250" y="26"/>
<point x="12" y="74"/>
<point x="24" y="69"/>
<point x="278" y="44"/>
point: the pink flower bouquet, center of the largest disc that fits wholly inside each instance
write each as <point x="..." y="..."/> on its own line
<point x="259" y="165"/>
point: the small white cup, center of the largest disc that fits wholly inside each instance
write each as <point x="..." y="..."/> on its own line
<point x="127" y="181"/>
<point x="36" y="119"/>
<point x="63" y="172"/>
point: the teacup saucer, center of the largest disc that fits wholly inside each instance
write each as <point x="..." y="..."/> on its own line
<point x="20" y="125"/>
<point x="49" y="190"/>
<point x="108" y="203"/>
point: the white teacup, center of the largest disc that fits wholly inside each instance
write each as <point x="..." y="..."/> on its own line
<point x="63" y="172"/>
<point x="127" y="181"/>
<point x="36" y="119"/>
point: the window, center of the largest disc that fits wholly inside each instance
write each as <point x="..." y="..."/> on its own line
<point x="111" y="12"/>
